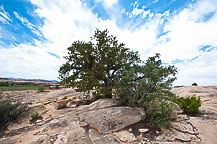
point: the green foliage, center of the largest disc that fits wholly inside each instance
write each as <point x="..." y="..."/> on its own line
<point x="194" y="84"/>
<point x="105" y="66"/>
<point x="65" y="97"/>
<point x="10" y="110"/>
<point x="4" y="84"/>
<point x="190" y="105"/>
<point x="158" y="110"/>
<point x="136" y="82"/>
<point x="35" y="116"/>
<point x="41" y="88"/>
<point x="148" y="86"/>
<point x="93" y="65"/>
<point x="8" y="84"/>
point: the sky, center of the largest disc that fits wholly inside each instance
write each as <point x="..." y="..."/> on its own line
<point x="35" y="34"/>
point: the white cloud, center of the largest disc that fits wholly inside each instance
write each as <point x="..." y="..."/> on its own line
<point x="4" y="16"/>
<point x="187" y="33"/>
<point x="27" y="24"/>
<point x="65" y="21"/>
<point x="108" y="3"/>
<point x="202" y="70"/>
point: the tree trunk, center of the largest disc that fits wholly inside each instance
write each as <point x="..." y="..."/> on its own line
<point x="108" y="92"/>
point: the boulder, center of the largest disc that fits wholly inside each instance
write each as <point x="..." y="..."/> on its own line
<point x="111" y="119"/>
<point x="99" y="104"/>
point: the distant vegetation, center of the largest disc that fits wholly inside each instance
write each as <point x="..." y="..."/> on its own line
<point x="16" y="86"/>
<point x="194" y="84"/>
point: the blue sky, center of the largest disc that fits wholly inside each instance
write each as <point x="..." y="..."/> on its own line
<point x="35" y="34"/>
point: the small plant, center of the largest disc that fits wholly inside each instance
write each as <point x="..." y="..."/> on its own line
<point x="10" y="110"/>
<point x="190" y="105"/>
<point x="41" y="88"/>
<point x="61" y="106"/>
<point x="65" y="97"/>
<point x="194" y="84"/>
<point x="35" y="116"/>
<point x="158" y="110"/>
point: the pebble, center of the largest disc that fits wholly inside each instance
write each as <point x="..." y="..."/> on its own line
<point x="143" y="130"/>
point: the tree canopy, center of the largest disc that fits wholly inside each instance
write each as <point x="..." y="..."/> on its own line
<point x="94" y="65"/>
<point x="106" y="68"/>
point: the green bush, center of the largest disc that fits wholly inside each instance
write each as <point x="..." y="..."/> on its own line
<point x="190" y="105"/>
<point x="35" y="116"/>
<point x="148" y="87"/>
<point x="10" y="110"/>
<point x="65" y="97"/>
<point x="194" y="84"/>
<point x="41" y="88"/>
<point x="157" y="110"/>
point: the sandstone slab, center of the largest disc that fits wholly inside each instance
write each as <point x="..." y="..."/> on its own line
<point x="99" y="104"/>
<point x="111" y="119"/>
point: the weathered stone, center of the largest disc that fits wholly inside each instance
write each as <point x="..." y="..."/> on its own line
<point x="83" y="124"/>
<point x="71" y="105"/>
<point x="183" y="137"/>
<point x="143" y="130"/>
<point x="125" y="136"/>
<point x="99" y="104"/>
<point x="63" y="102"/>
<point x="96" y="138"/>
<point x="75" y="136"/>
<point x="111" y="119"/>
<point x="184" y="127"/>
<point x="58" y="123"/>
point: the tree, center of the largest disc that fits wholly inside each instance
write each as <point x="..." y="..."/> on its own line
<point x="94" y="65"/>
<point x="136" y="82"/>
<point x="147" y="86"/>
<point x="194" y="84"/>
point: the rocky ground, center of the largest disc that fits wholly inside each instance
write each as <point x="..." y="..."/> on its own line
<point x="104" y="121"/>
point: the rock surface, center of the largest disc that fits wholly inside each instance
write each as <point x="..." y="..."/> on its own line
<point x="111" y="119"/>
<point x="103" y="122"/>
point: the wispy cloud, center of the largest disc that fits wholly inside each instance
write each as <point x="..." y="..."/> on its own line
<point x="27" y="24"/>
<point x="187" y="38"/>
<point x="107" y="3"/>
<point x="4" y="16"/>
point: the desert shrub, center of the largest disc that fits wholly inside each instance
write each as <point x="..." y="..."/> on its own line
<point x="65" y="97"/>
<point x="35" y="116"/>
<point x="41" y="88"/>
<point x="158" y="110"/>
<point x="148" y="86"/>
<point x="10" y="110"/>
<point x="194" y="84"/>
<point x="190" y="105"/>
<point x="61" y="106"/>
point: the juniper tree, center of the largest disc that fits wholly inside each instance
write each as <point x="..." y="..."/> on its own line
<point x="94" y="65"/>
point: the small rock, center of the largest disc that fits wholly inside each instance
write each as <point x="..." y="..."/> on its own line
<point x="130" y="129"/>
<point x="70" y="105"/>
<point x="143" y="130"/>
<point x="83" y="124"/>
<point x="63" y="102"/>
<point x="38" y="121"/>
<point x="125" y="136"/>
